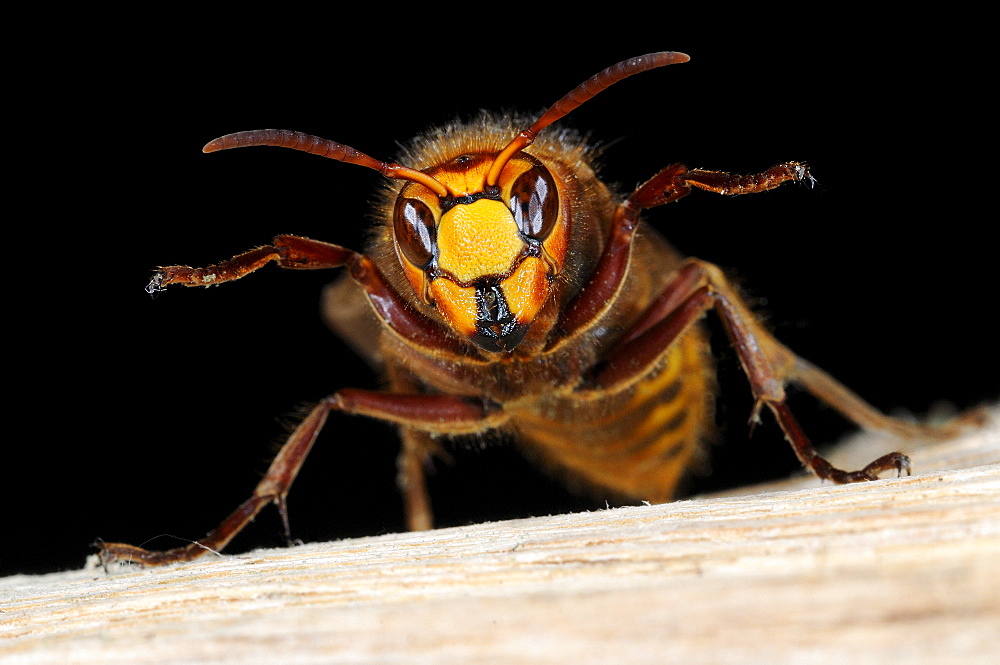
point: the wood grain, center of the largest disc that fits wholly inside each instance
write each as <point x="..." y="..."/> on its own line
<point x="903" y="570"/>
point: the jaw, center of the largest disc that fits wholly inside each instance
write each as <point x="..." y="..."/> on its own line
<point x="495" y="314"/>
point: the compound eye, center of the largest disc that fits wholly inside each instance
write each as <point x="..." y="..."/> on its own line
<point x="534" y="202"/>
<point x="413" y="224"/>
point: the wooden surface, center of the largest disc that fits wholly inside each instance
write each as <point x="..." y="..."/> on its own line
<point x="903" y="570"/>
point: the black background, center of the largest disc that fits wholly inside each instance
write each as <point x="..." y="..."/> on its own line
<point x="138" y="417"/>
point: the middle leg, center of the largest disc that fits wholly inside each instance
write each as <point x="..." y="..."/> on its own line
<point x="699" y="287"/>
<point x="442" y="413"/>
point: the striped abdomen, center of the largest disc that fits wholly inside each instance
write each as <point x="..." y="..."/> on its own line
<point x="637" y="443"/>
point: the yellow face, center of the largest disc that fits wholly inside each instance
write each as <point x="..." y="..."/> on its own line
<point x="484" y="256"/>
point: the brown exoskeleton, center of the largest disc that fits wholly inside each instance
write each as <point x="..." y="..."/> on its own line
<point x="509" y="288"/>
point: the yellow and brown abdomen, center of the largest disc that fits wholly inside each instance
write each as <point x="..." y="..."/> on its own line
<point x="639" y="442"/>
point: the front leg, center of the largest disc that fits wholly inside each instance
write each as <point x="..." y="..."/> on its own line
<point x="433" y="413"/>
<point x="298" y="253"/>
<point x="670" y="184"/>
<point x="287" y="251"/>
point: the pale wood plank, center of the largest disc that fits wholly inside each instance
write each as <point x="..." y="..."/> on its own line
<point x="903" y="570"/>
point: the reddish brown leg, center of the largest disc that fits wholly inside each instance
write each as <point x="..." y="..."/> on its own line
<point x="672" y="183"/>
<point x="822" y="468"/>
<point x="287" y="251"/>
<point x="415" y="455"/>
<point x="426" y="412"/>
<point x="300" y="253"/>
<point x="769" y="365"/>
<point x="700" y="286"/>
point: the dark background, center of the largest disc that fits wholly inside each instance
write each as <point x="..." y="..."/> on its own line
<point x="145" y="417"/>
